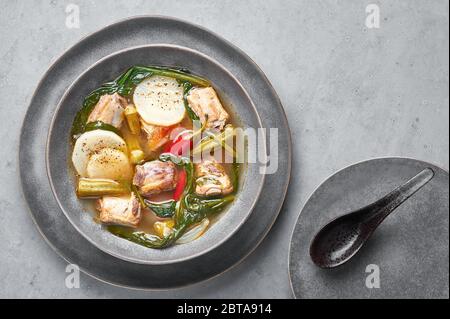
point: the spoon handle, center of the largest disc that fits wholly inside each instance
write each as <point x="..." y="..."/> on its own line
<point x="386" y="205"/>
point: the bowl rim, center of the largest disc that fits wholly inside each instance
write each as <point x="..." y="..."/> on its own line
<point x="57" y="110"/>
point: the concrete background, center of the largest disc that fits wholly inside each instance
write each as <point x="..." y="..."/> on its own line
<point x="350" y="94"/>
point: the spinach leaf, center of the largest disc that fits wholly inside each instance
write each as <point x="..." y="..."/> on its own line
<point x="163" y="210"/>
<point x="187" y="86"/>
<point x="203" y="206"/>
<point x="146" y="240"/>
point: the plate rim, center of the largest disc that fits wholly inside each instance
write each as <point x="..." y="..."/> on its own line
<point x="231" y="45"/>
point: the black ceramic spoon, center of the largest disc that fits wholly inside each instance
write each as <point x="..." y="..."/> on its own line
<point x="343" y="237"/>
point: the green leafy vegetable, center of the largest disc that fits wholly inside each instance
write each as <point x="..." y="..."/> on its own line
<point x="125" y="84"/>
<point x="146" y="240"/>
<point x="163" y="210"/>
<point x="204" y="206"/>
<point x="187" y="86"/>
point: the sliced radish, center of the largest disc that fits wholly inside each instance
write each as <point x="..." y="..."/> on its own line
<point x="159" y="101"/>
<point x="91" y="142"/>
<point x="109" y="163"/>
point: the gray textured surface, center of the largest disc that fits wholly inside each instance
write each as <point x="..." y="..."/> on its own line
<point x="350" y="94"/>
<point x="410" y="247"/>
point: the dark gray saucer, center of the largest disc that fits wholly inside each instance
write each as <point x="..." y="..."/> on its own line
<point x="49" y="218"/>
<point x="410" y="248"/>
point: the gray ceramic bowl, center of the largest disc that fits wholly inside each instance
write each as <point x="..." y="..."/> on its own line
<point x="59" y="150"/>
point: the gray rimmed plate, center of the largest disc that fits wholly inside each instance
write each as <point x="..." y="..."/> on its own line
<point x="407" y="257"/>
<point x="45" y="211"/>
<point x="59" y="151"/>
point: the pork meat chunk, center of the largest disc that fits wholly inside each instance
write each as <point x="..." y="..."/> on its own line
<point x="123" y="210"/>
<point x="211" y="179"/>
<point x="155" y="177"/>
<point x="109" y="109"/>
<point x="206" y="104"/>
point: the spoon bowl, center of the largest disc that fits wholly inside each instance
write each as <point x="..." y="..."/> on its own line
<point x="338" y="241"/>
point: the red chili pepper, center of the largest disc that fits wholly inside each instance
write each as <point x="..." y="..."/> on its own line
<point x="180" y="146"/>
<point x="181" y="184"/>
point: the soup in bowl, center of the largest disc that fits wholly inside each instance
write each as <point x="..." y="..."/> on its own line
<point x="143" y="156"/>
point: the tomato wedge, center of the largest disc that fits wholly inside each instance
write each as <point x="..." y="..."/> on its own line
<point x="181" y="184"/>
<point x="180" y="146"/>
